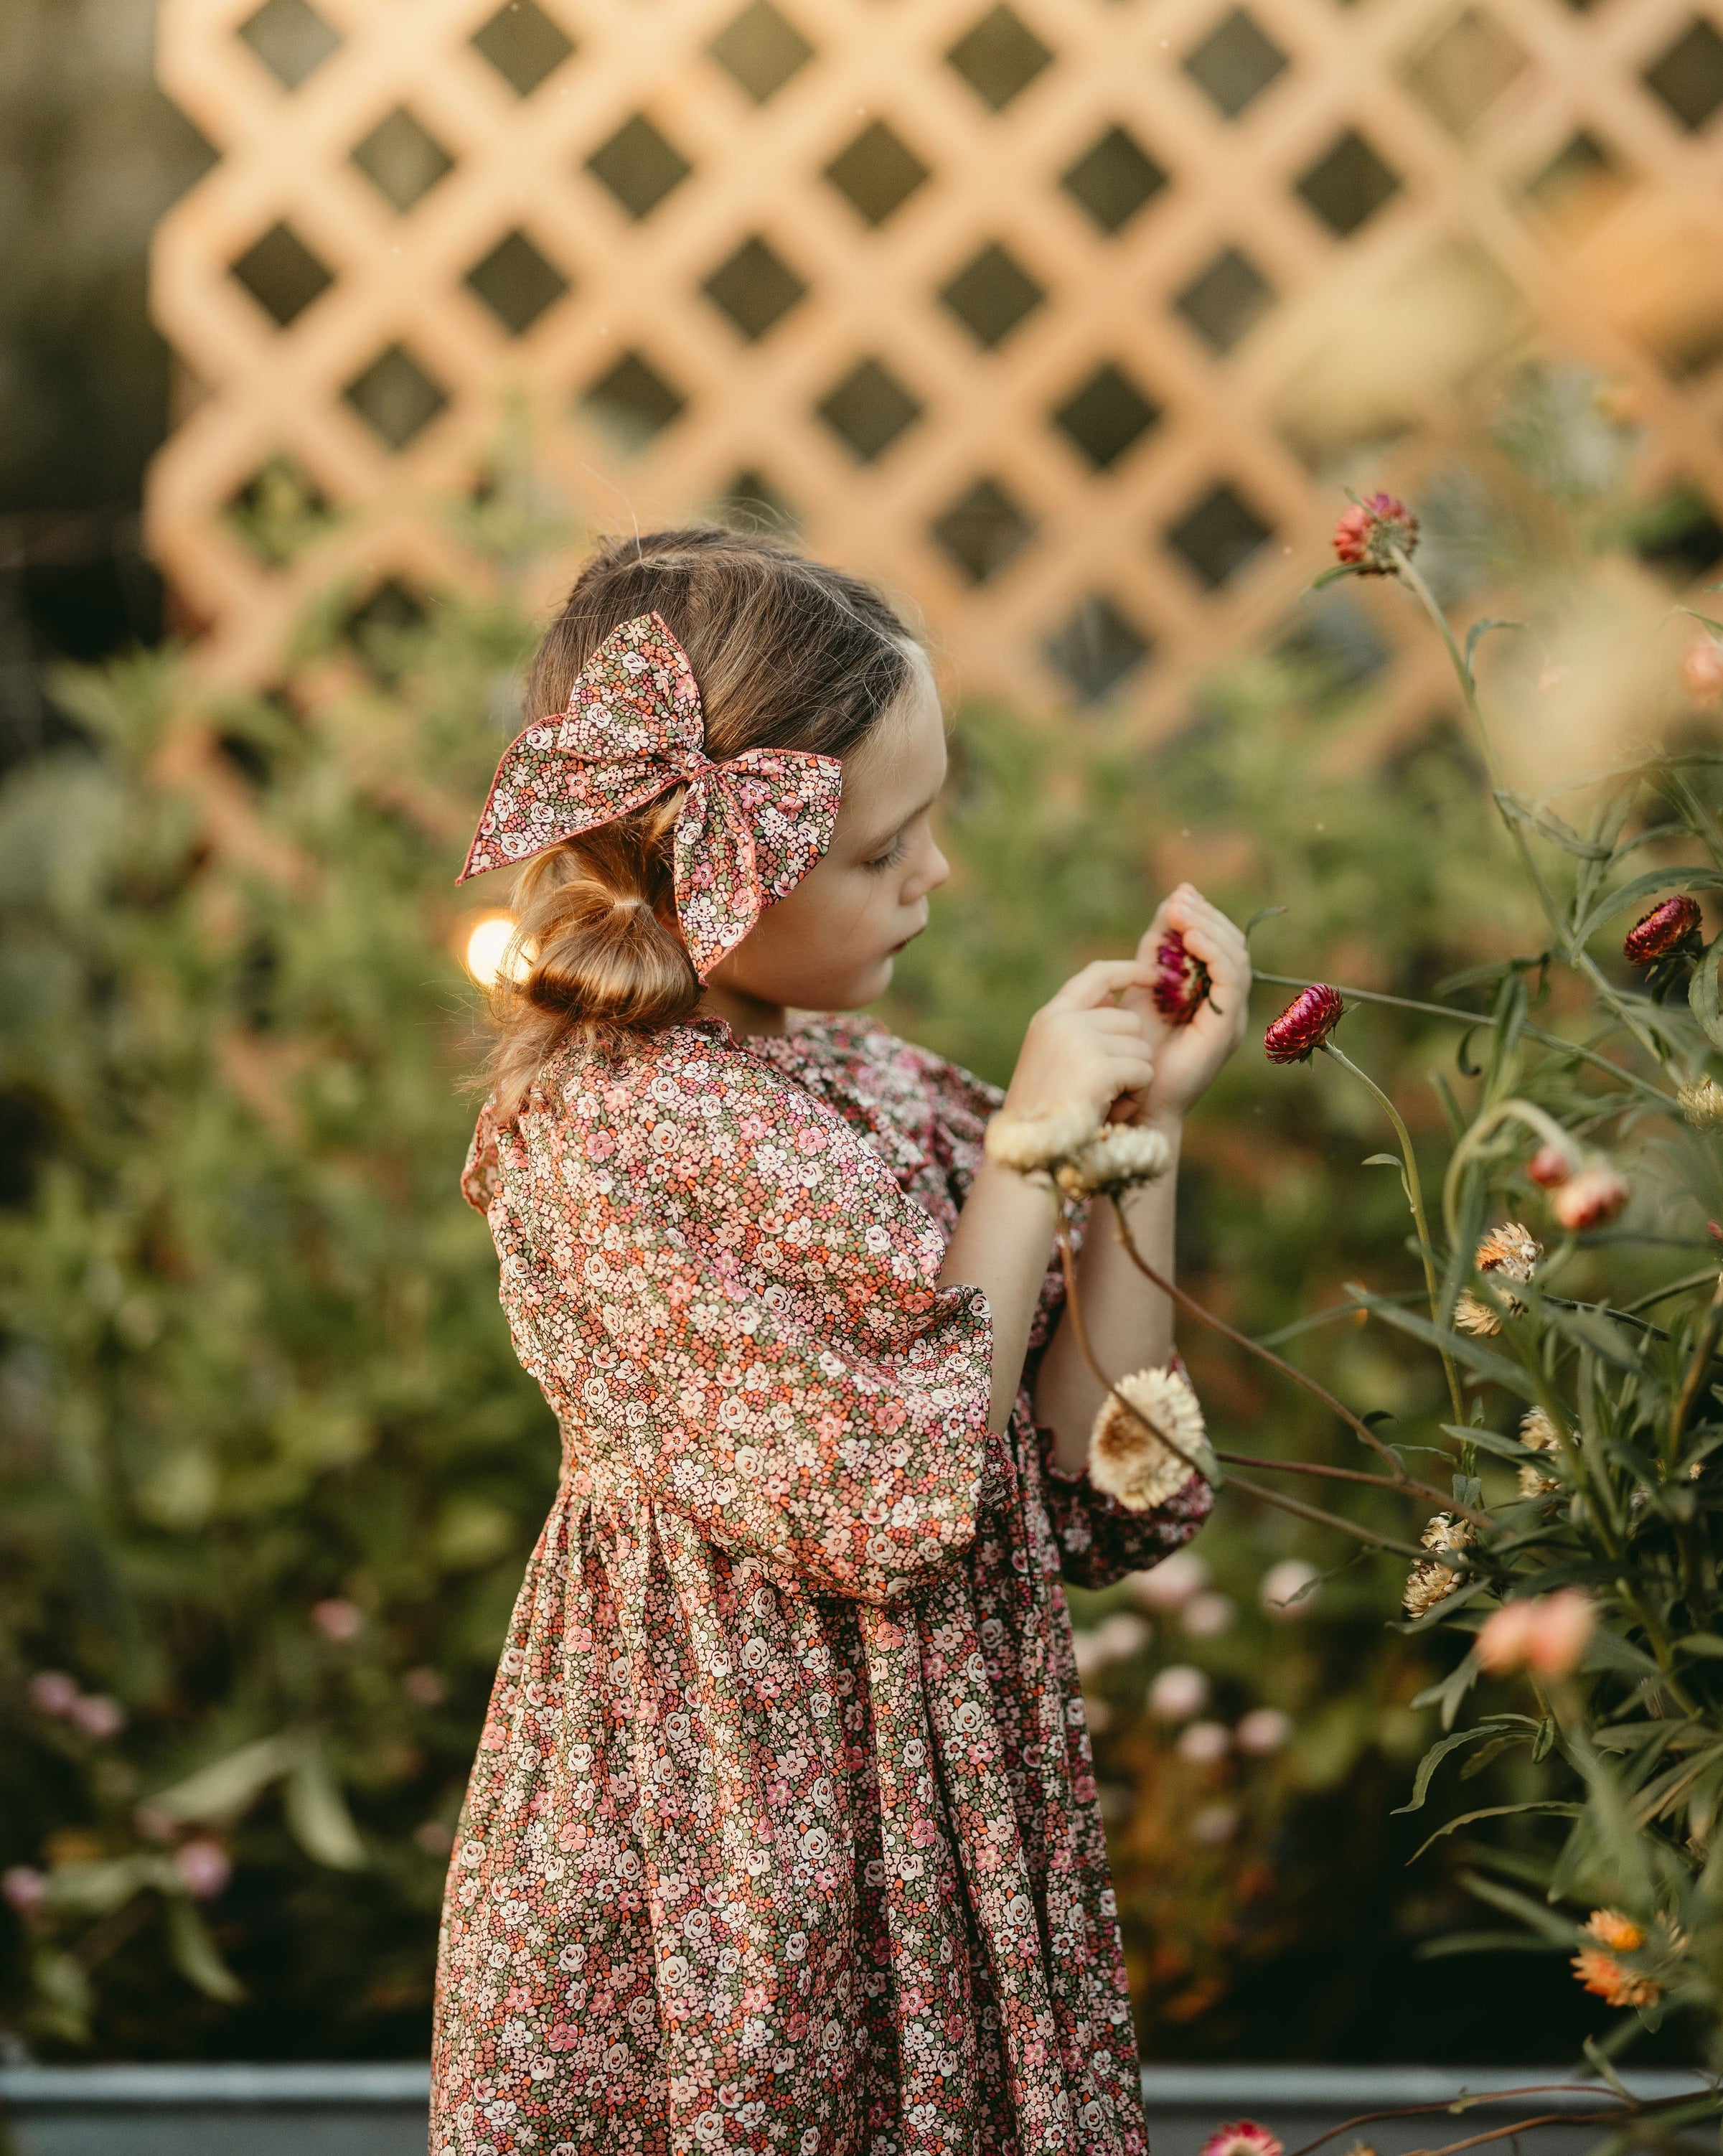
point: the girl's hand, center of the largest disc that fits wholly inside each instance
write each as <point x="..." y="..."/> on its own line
<point x="1083" y="1047"/>
<point x="1188" y="1057"/>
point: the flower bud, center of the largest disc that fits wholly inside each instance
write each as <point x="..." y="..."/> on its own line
<point x="1304" y="1024"/>
<point x="1674" y="926"/>
<point x="337" y="1620"/>
<point x="1548" y="1166"/>
<point x="1547" y="1634"/>
<point x="1593" y="1198"/>
<point x="1369" y="531"/>
<point x="1702" y="670"/>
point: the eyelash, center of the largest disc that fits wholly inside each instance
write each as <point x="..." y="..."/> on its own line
<point x="889" y="860"/>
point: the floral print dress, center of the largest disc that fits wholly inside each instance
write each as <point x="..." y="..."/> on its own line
<point x="783" y="1833"/>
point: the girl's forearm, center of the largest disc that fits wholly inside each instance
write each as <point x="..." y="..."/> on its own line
<point x="1001" y="1244"/>
<point x="1129" y="1324"/>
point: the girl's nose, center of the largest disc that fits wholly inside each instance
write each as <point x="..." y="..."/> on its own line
<point x="934" y="871"/>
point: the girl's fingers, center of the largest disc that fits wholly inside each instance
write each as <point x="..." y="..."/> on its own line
<point x="1096" y="981"/>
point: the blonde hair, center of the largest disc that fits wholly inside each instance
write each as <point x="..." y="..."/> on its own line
<point x="788" y="654"/>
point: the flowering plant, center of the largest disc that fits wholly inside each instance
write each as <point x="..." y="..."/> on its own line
<point x="1566" y="1537"/>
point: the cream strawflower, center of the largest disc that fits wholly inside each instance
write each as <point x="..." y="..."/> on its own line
<point x="1537" y="1431"/>
<point x="1119" y="1159"/>
<point x="1031" y="1140"/>
<point x="1702" y="1104"/>
<point x="1134" y="1464"/>
<point x="1431" y="1581"/>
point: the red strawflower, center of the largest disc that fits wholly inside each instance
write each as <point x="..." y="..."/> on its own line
<point x="1548" y="1166"/>
<point x="1182" y="981"/>
<point x="1674" y="926"/>
<point x="1368" y="532"/>
<point x="1304" y="1024"/>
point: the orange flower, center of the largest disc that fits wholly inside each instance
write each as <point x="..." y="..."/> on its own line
<point x="1602" y="1974"/>
<point x="1612" y="1929"/>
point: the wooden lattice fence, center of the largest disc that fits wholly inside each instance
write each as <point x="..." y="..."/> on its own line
<point x="1064" y="317"/>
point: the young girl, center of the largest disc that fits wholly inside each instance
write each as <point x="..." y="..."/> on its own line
<point x="782" y="1834"/>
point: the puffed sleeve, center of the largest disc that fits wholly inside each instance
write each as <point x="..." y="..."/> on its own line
<point x="752" y="1321"/>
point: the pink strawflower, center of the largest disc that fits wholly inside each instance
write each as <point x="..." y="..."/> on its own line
<point x="1593" y="1198"/>
<point x="1304" y="1024"/>
<point x="1263" y="1730"/>
<point x="1674" y="926"/>
<point x="204" y="1865"/>
<point x="1245" y="2138"/>
<point x="1182" y="981"/>
<point x="97" y="1716"/>
<point x="1368" y="532"/>
<point x="424" y="1687"/>
<point x="1702" y="670"/>
<point x="339" y="1620"/>
<point x="52" y="1692"/>
<point x="1548" y="1166"/>
<point x="1548" y="1634"/>
<point x="24" y="1887"/>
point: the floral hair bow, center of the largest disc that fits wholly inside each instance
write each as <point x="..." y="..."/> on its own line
<point x="749" y="829"/>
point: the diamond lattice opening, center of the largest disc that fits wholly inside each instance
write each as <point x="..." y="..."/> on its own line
<point x="992" y="294"/>
<point x="1235" y="63"/>
<point x="983" y="530"/>
<point x="760" y="50"/>
<point x="1218" y="535"/>
<point x="1682" y="538"/>
<point x="381" y="629"/>
<point x="278" y="512"/>
<point x="639" y="164"/>
<point x="396" y="396"/>
<point x="999" y="58"/>
<point x="1689" y="77"/>
<point x="868" y="410"/>
<point x="516" y="283"/>
<point x="752" y="503"/>
<point x="1461" y="72"/>
<point x="401" y="159"/>
<point x="633" y="403"/>
<point x="1106" y="417"/>
<point x="1113" y="180"/>
<point x="291" y="39"/>
<point x="755" y="288"/>
<point x="1348" y="184"/>
<point x="523" y="44"/>
<point x="1227" y="300"/>
<point x="1583" y="179"/>
<point x="1095" y="648"/>
<point x="281" y="274"/>
<point x="877" y="174"/>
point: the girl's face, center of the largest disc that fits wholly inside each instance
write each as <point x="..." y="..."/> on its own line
<point x="831" y="944"/>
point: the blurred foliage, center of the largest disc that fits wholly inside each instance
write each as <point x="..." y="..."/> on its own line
<point x="269" y="1470"/>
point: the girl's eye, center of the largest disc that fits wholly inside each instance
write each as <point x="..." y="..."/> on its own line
<point x="889" y="860"/>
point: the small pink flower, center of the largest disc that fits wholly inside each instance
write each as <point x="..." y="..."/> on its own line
<point x="1182" y="981"/>
<point x="1546" y="1632"/>
<point x="1204" y="1743"/>
<point x="24" y="1887"/>
<point x="1177" y="1693"/>
<point x="1674" y="926"/>
<point x="204" y="1867"/>
<point x="425" y="1687"/>
<point x="1304" y="1024"/>
<point x="97" y="1716"/>
<point x="1243" y="2138"/>
<point x="1368" y="532"/>
<point x="1263" y="1730"/>
<point x="435" y="1837"/>
<point x="1702" y="670"/>
<point x="1548" y="1167"/>
<point x="52" y="1692"/>
<point x="339" y="1620"/>
<point x="1593" y="1198"/>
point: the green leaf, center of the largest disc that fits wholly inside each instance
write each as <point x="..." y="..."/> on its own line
<point x="1704" y="994"/>
<point x="1480" y="629"/>
<point x="1560" y="1808"/>
<point x="318" y="1815"/>
<point x="1262" y="913"/>
<point x="1439" y="1751"/>
<point x="1384" y="1160"/>
<point x="227" y="1786"/>
<point x="1331" y="576"/>
<point x="1548" y="825"/>
<point x="1537" y="1915"/>
<point x="1648" y="885"/>
<point x="194" y="1954"/>
<point x="1452" y="1689"/>
<point x="1461" y="1345"/>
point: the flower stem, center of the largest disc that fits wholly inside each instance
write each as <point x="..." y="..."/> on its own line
<point x="1514" y="1110"/>
<point x="1415" y="1198"/>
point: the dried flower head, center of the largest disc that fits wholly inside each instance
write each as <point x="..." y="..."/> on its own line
<point x="1549" y="1168"/>
<point x="1304" y="1024"/>
<point x="1472" y="1315"/>
<point x="1432" y="1581"/>
<point x="1369" y="532"/>
<point x="1702" y="670"/>
<point x="1510" y="1249"/>
<point x="1616" y="1986"/>
<point x="1539" y="1434"/>
<point x="1674" y="926"/>
<point x="1031" y="1140"/>
<point x="1702" y="1104"/>
<point x="1612" y="1929"/>
<point x="1593" y="1198"/>
<point x="1182" y="981"/>
<point x="1245" y="2138"/>
<point x="1119" y="1159"/>
<point x="1130" y="1458"/>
